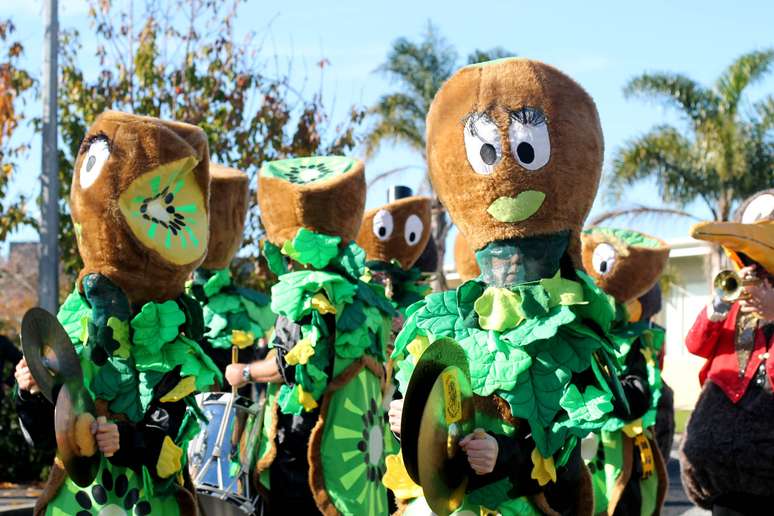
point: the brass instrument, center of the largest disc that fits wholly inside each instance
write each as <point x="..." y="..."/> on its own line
<point x="729" y="286"/>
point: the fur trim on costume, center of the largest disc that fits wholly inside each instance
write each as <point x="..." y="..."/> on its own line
<point x="123" y="225"/>
<point x="508" y="197"/>
<point x="332" y="205"/>
<point x="465" y="259"/>
<point x="623" y="263"/>
<point x="229" y="191"/>
<point x="396" y="231"/>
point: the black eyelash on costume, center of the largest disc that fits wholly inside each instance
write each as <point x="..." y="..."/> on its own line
<point x="469" y="121"/>
<point x="86" y="143"/>
<point x="528" y="116"/>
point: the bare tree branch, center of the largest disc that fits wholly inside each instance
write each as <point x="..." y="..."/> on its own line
<point x="639" y="211"/>
<point x="388" y="173"/>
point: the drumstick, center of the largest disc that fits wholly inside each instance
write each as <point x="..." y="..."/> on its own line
<point x="102" y="420"/>
<point x="234" y="360"/>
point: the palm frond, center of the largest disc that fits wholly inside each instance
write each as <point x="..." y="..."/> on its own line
<point x="744" y="71"/>
<point x="387" y="173"/>
<point x="698" y="103"/>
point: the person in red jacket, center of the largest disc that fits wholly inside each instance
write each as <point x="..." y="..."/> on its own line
<point x="727" y="455"/>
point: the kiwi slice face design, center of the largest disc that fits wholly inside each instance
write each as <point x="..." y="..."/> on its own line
<point x="166" y="211"/>
<point x="303" y="171"/>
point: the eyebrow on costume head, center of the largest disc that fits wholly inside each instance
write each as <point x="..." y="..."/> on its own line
<point x="528" y="116"/>
<point x="87" y="141"/>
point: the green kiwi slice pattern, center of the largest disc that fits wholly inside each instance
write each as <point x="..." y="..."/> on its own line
<point x="302" y="171"/>
<point x="166" y="211"/>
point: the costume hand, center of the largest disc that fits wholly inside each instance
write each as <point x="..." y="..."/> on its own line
<point x="395" y="413"/>
<point x="234" y="375"/>
<point x="759" y="299"/>
<point x="24" y="377"/>
<point x="108" y="440"/>
<point x="482" y="451"/>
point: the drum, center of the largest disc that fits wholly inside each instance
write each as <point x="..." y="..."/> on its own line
<point x="219" y="466"/>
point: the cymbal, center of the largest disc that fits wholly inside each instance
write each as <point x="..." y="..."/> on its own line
<point x="74" y="401"/>
<point x="437" y="413"/>
<point x="49" y="352"/>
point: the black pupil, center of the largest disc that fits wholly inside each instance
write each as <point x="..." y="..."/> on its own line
<point x="90" y="163"/>
<point x="382" y="231"/>
<point x="412" y="236"/>
<point x="488" y="153"/>
<point x="603" y="267"/>
<point x="526" y="152"/>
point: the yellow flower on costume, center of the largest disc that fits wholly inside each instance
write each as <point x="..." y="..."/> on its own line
<point x="418" y="346"/>
<point x="170" y="457"/>
<point x="300" y="353"/>
<point x="398" y="480"/>
<point x="634" y="428"/>
<point x="306" y="399"/>
<point x="183" y="388"/>
<point x="322" y="305"/>
<point x="242" y="339"/>
<point x="544" y="469"/>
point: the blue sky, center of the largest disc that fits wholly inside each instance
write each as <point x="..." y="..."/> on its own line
<point x="601" y="44"/>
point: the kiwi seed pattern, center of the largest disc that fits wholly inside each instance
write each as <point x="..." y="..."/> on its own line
<point x="166" y="211"/>
<point x="302" y="171"/>
<point x="116" y="491"/>
<point x="303" y="174"/>
<point x="159" y="209"/>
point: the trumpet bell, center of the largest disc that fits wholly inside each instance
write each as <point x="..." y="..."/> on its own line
<point x="728" y="286"/>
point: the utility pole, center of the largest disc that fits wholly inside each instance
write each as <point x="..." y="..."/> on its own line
<point x="48" y="271"/>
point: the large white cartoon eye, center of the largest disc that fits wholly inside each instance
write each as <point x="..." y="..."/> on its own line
<point x="482" y="143"/>
<point x="761" y="208"/>
<point x="382" y="225"/>
<point x="412" y="232"/>
<point x="95" y="158"/>
<point x="528" y="136"/>
<point x="603" y="258"/>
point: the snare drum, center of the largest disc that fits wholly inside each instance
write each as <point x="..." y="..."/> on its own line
<point x="219" y="469"/>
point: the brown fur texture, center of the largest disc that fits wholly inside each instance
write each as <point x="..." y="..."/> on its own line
<point x="495" y="407"/>
<point x="316" y="476"/>
<point x="229" y="190"/>
<point x="106" y="243"/>
<point x="395" y="246"/>
<point x="569" y="179"/>
<point x="465" y="259"/>
<point x="56" y="478"/>
<point x="635" y="270"/>
<point x="331" y="206"/>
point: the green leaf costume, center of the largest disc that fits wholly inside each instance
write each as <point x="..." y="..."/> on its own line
<point x="227" y="309"/>
<point x="153" y="359"/>
<point x="525" y="344"/>
<point x="338" y="370"/>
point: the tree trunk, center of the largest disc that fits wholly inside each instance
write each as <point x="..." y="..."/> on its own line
<point x="440" y="228"/>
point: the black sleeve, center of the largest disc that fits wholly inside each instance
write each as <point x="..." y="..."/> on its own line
<point x="634" y="381"/>
<point x="562" y="496"/>
<point x="140" y="443"/>
<point x="36" y="416"/>
<point x="513" y="461"/>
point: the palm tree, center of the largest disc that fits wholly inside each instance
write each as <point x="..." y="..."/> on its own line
<point x="728" y="153"/>
<point x="418" y="69"/>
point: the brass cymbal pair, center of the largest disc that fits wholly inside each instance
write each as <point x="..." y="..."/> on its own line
<point x="56" y="368"/>
<point x="437" y="413"/>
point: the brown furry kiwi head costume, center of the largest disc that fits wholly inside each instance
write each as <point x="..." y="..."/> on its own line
<point x="322" y="194"/>
<point x="140" y="203"/>
<point x="623" y="263"/>
<point x="510" y="141"/>
<point x="465" y="259"/>
<point x="229" y="192"/>
<point x="398" y="231"/>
